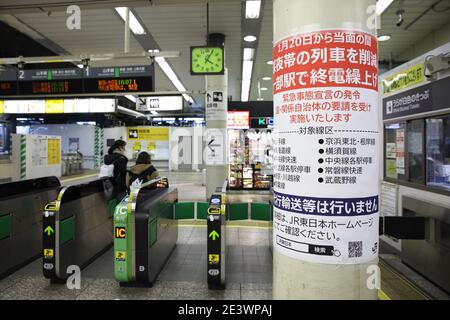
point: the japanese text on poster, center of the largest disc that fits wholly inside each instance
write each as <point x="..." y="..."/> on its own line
<point x="326" y="147"/>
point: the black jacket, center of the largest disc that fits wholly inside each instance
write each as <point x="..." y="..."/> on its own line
<point x="120" y="171"/>
<point x="144" y="172"/>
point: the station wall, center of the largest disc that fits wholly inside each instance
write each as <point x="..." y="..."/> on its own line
<point x="85" y="134"/>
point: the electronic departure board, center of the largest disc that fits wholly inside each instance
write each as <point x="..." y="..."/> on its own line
<point x="130" y="79"/>
<point x="50" y="81"/>
<point x="51" y="87"/>
<point x="8" y="82"/>
<point x="119" y="79"/>
<point x="8" y="88"/>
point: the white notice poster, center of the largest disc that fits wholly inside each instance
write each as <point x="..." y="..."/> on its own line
<point x="326" y="200"/>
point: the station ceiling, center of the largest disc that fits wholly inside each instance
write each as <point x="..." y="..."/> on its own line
<point x="175" y="25"/>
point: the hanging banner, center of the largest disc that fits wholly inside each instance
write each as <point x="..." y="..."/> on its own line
<point x="404" y="79"/>
<point x="326" y="147"/>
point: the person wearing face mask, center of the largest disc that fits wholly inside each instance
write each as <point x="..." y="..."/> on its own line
<point x="116" y="156"/>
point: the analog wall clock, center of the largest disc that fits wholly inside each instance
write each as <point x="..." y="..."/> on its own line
<point x="207" y="60"/>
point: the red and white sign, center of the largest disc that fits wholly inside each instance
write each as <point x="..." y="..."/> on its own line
<point x="238" y="119"/>
<point x="326" y="146"/>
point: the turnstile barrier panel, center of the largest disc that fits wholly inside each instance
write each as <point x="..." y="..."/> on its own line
<point x="216" y="242"/>
<point x="123" y="243"/>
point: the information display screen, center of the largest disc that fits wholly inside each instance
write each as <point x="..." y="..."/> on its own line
<point x="70" y="86"/>
<point x="8" y="88"/>
<point x="130" y="79"/>
<point x="114" y="85"/>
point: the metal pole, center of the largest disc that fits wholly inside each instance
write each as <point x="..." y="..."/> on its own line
<point x="127" y="31"/>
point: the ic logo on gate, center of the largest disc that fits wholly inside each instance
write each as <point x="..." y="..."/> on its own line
<point x="120" y="232"/>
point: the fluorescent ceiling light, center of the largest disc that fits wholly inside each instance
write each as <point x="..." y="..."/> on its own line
<point x="168" y="70"/>
<point x="135" y="26"/>
<point x="130" y="112"/>
<point x="260" y="99"/>
<point x="245" y="90"/>
<point x="177" y="83"/>
<point x="270" y="62"/>
<point x="187" y="98"/>
<point x="247" y="68"/>
<point x="248" y="54"/>
<point x="384" y="37"/>
<point x="131" y="97"/>
<point x="267" y="78"/>
<point x="153" y="112"/>
<point x="252" y="9"/>
<point x="263" y="89"/>
<point x="382" y="5"/>
<point x="249" y="38"/>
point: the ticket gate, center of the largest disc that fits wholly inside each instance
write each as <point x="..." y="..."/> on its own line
<point x="76" y="227"/>
<point x="21" y="204"/>
<point x="216" y="235"/>
<point x="145" y="233"/>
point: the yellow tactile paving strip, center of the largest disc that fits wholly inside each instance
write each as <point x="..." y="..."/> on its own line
<point x="397" y="287"/>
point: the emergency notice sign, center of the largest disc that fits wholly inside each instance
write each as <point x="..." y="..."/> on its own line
<point x="326" y="146"/>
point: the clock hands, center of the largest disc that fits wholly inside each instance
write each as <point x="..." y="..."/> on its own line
<point x="207" y="59"/>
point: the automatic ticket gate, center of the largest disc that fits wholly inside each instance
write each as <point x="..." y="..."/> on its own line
<point x="21" y="204"/>
<point x="76" y="227"/>
<point x="216" y="244"/>
<point x="145" y="233"/>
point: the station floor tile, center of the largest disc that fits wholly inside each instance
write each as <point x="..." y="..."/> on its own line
<point x="249" y="274"/>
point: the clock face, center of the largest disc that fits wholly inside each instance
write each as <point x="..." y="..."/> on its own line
<point x="207" y="60"/>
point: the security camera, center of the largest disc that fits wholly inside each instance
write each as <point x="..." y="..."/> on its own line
<point x="400" y="20"/>
<point x="435" y="64"/>
<point x="21" y="65"/>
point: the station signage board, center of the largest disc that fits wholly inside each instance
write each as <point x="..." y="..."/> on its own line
<point x="159" y="103"/>
<point x="50" y="81"/>
<point x="238" y="119"/>
<point x="60" y="81"/>
<point x="428" y="97"/>
<point x="119" y="79"/>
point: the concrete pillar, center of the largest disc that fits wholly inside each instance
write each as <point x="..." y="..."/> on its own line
<point x="216" y="129"/>
<point x="325" y="219"/>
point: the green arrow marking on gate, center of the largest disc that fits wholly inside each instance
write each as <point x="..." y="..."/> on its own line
<point x="214" y="235"/>
<point x="49" y="230"/>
